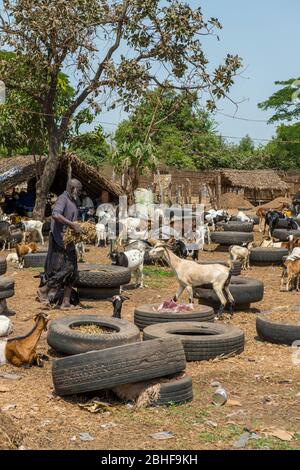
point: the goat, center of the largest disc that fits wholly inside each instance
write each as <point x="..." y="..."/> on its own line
<point x="21" y="351"/>
<point x="12" y="258"/>
<point x="5" y="234"/>
<point x="6" y="326"/>
<point x="240" y="253"/>
<point x="133" y="260"/>
<point x="190" y="274"/>
<point x="242" y="217"/>
<point x="117" y="301"/>
<point x="101" y="234"/>
<point x="212" y="217"/>
<point x="30" y="226"/>
<point x="80" y="251"/>
<point x="261" y="214"/>
<point x="22" y="250"/>
<point x="291" y="268"/>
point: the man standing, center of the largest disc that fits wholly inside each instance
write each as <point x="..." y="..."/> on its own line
<point x="61" y="261"/>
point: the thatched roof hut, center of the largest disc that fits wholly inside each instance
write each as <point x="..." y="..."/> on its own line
<point x="254" y="179"/>
<point x="16" y="170"/>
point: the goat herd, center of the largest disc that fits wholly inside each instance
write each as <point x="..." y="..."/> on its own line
<point x="172" y="333"/>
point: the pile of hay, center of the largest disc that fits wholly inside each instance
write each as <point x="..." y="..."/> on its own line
<point x="10" y="437"/>
<point x="234" y="201"/>
<point x="277" y="204"/>
<point x="88" y="234"/>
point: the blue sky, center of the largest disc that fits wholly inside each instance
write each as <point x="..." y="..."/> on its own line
<point x="266" y="34"/>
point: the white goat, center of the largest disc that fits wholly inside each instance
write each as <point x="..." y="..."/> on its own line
<point x="12" y="258"/>
<point x="240" y="253"/>
<point x="242" y="217"/>
<point x="190" y="274"/>
<point x="31" y="226"/>
<point x="133" y="260"/>
<point x="101" y="234"/>
<point x="80" y="250"/>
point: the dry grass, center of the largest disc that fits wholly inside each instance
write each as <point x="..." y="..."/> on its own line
<point x="93" y="330"/>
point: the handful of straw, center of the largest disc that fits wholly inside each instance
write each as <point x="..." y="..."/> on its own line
<point x="87" y="234"/>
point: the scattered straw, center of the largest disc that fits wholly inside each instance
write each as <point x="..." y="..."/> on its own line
<point x="92" y="329"/>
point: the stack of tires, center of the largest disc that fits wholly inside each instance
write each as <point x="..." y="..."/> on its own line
<point x="7" y="288"/>
<point x="97" y="281"/>
<point x="108" y="361"/>
<point x="235" y="233"/>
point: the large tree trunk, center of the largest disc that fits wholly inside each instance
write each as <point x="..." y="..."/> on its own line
<point x="44" y="184"/>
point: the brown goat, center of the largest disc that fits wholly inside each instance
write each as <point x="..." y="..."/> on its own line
<point x="21" y="351"/>
<point x="291" y="268"/>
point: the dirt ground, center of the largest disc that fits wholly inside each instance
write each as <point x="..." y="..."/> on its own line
<point x="262" y="383"/>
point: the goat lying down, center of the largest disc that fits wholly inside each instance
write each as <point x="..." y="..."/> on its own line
<point x="190" y="274"/>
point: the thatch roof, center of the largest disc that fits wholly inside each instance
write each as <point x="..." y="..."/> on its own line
<point x="16" y="170"/>
<point x="255" y="179"/>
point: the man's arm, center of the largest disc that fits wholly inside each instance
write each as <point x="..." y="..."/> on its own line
<point x="57" y="215"/>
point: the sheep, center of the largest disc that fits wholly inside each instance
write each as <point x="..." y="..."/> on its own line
<point x="21" y="351"/>
<point x="240" y="253"/>
<point x="101" y="234"/>
<point x="117" y="301"/>
<point x="22" y="250"/>
<point x="191" y="274"/>
<point x="133" y="260"/>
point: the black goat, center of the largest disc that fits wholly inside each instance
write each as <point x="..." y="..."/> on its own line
<point x="117" y="301"/>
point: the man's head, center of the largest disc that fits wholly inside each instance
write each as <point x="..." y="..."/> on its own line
<point x="74" y="187"/>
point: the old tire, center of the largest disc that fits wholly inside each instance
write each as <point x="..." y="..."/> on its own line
<point x="144" y="315"/>
<point x="98" y="370"/>
<point x="238" y="227"/>
<point x="268" y="255"/>
<point x="235" y="270"/>
<point x="175" y="391"/>
<point x="100" y="275"/>
<point x="283" y="235"/>
<point x="35" y="260"/>
<point x="97" y="293"/>
<point x="63" y="339"/>
<point x="279" y="333"/>
<point x="7" y="287"/>
<point x="3" y="266"/>
<point x="245" y="291"/>
<point x="201" y="341"/>
<point x="231" y="238"/>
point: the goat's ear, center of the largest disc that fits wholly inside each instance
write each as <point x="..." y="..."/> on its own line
<point x="124" y="297"/>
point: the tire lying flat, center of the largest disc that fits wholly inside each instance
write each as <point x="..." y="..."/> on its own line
<point x="238" y="227"/>
<point x="97" y="293"/>
<point x="100" y="275"/>
<point x="63" y="339"/>
<point x="283" y="235"/>
<point x="236" y="266"/>
<point x="35" y="260"/>
<point x="7" y="287"/>
<point x="201" y="341"/>
<point x="275" y="332"/>
<point x="98" y="370"/>
<point x="245" y="291"/>
<point x="145" y="315"/>
<point x="231" y="238"/>
<point x="3" y="266"/>
<point x="268" y="255"/>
